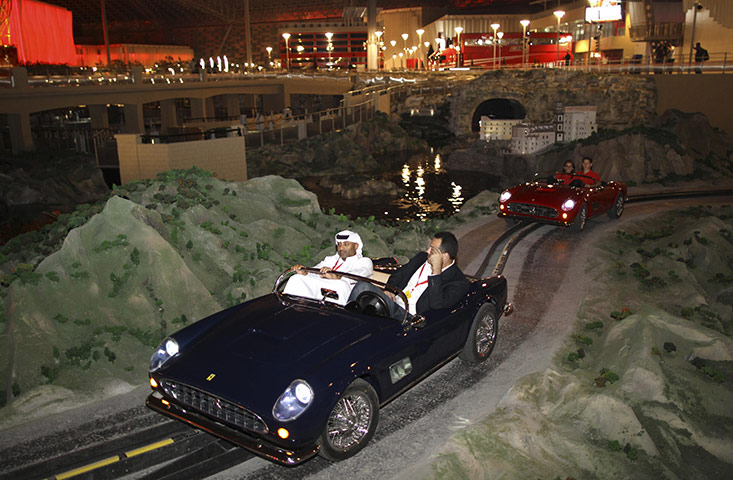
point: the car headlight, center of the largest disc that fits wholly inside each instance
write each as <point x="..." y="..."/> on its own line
<point x="505" y="195"/>
<point x="167" y="349"/>
<point x="294" y="401"/>
<point x="568" y="205"/>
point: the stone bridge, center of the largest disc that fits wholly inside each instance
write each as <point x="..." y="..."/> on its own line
<point x="622" y="100"/>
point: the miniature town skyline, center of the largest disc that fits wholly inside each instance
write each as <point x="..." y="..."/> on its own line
<point x="573" y="122"/>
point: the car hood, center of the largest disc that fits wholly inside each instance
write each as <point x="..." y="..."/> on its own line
<point x="264" y="346"/>
<point x="550" y="195"/>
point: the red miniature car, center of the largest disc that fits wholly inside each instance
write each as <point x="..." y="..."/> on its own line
<point x="554" y="198"/>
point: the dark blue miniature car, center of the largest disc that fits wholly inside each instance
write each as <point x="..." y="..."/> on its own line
<point x="288" y="377"/>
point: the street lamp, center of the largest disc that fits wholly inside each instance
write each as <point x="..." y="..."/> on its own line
<point x="286" y="36"/>
<point x="500" y="35"/>
<point x="459" y="62"/>
<point x="404" y="42"/>
<point x="300" y="49"/>
<point x="379" y="34"/>
<point x="329" y="47"/>
<point x="394" y="55"/>
<point x="419" y="32"/>
<point x="495" y="27"/>
<point x="559" y="14"/>
<point x="525" y="24"/>
<point x="269" y="55"/>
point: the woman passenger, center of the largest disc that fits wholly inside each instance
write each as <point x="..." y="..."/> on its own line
<point x="566" y="176"/>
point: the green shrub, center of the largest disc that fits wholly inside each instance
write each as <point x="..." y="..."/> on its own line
<point x="582" y="340"/>
<point x="119" y="241"/>
<point x="53" y="276"/>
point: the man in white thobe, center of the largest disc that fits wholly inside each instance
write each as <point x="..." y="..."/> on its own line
<point x="348" y="259"/>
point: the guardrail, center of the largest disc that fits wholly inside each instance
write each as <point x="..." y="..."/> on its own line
<point x="192" y="136"/>
<point x="281" y="128"/>
<point x="721" y="62"/>
<point x="684" y="64"/>
<point x="107" y="78"/>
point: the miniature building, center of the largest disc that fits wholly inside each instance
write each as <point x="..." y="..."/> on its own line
<point x="569" y="124"/>
<point x="529" y="139"/>
<point x="579" y="122"/>
<point x="496" y="129"/>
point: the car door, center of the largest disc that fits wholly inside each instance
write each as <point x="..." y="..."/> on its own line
<point x="600" y="200"/>
<point x="409" y="353"/>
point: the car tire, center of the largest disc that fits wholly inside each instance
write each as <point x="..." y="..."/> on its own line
<point x="618" y="206"/>
<point x="351" y="423"/>
<point x="581" y="219"/>
<point x="482" y="336"/>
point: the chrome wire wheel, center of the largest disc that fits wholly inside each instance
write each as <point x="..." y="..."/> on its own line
<point x="619" y="206"/>
<point x="485" y="334"/>
<point x="579" y="223"/>
<point x="482" y="335"/>
<point x="350" y="421"/>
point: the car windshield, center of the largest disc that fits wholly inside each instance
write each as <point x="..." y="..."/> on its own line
<point x="561" y="178"/>
<point x="367" y="303"/>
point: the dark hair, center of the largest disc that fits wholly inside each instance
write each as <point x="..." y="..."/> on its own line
<point x="589" y="159"/>
<point x="572" y="164"/>
<point x="448" y="243"/>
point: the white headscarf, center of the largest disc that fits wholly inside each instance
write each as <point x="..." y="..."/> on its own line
<point x="349" y="236"/>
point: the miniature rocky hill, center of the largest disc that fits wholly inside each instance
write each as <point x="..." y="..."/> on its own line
<point x="677" y="146"/>
<point x="34" y="182"/>
<point x="351" y="150"/>
<point x="642" y="389"/>
<point x="84" y="302"/>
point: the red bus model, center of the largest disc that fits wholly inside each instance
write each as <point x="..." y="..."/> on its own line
<point x="477" y="50"/>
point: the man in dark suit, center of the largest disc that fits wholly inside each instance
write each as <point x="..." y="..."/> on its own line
<point x="430" y="280"/>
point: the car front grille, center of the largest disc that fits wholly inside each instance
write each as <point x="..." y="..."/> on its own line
<point x="228" y="412"/>
<point x="529" y="209"/>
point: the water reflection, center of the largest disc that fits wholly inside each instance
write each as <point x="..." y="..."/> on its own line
<point x="420" y="183"/>
<point x="406" y="175"/>
<point x="456" y="199"/>
<point x="427" y="191"/>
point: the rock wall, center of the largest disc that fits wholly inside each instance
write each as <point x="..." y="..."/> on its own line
<point x="623" y="101"/>
<point x="348" y="151"/>
<point x="677" y="145"/>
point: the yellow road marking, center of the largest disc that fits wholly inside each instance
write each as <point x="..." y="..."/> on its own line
<point x="111" y="460"/>
<point x="87" y="468"/>
<point x="148" y="448"/>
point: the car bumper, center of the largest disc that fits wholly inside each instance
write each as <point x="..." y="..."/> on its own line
<point x="529" y="218"/>
<point x="255" y="445"/>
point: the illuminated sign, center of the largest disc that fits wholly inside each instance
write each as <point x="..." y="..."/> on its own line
<point x="603" y="11"/>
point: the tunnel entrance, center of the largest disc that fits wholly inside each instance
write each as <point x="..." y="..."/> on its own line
<point x="497" y="108"/>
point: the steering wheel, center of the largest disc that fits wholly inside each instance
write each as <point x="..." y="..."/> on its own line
<point x="371" y="303"/>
